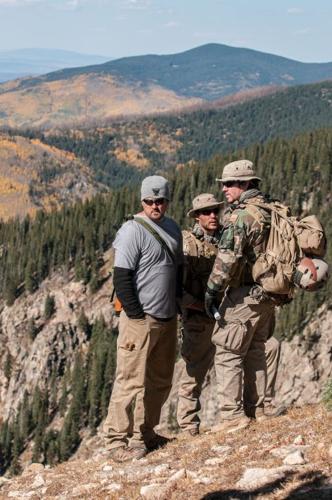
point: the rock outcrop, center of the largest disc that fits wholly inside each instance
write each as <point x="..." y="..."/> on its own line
<point x="35" y="360"/>
<point x="306" y="362"/>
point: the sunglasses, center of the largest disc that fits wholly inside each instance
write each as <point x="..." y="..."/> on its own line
<point x="229" y="184"/>
<point x="157" y="201"/>
<point x="208" y="211"/>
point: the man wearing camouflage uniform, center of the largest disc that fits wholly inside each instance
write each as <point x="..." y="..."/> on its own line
<point x="200" y="250"/>
<point x="247" y="312"/>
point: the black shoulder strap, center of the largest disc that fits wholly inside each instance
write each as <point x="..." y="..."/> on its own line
<point x="154" y="233"/>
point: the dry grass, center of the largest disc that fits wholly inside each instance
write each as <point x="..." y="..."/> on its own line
<point x="251" y="448"/>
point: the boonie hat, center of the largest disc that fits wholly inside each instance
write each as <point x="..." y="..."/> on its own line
<point x="153" y="187"/>
<point x="239" y="170"/>
<point x="202" y="201"/>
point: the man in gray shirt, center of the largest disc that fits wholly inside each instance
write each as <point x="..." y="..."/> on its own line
<point x="147" y="280"/>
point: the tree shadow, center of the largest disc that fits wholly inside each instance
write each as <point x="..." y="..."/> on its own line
<point x="313" y="486"/>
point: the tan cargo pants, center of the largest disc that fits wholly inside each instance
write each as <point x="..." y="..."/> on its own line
<point x="198" y="355"/>
<point x="146" y="350"/>
<point x="272" y="354"/>
<point x="240" y="351"/>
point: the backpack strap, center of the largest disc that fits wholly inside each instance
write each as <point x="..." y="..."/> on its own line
<point x="275" y="207"/>
<point x="154" y="233"/>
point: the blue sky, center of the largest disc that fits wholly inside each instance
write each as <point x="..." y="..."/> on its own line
<point x="298" y="29"/>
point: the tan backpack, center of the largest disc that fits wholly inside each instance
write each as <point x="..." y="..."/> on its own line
<point x="310" y="235"/>
<point x="289" y="240"/>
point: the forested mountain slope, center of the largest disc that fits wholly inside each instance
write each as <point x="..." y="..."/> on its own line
<point x="124" y="152"/>
<point x="34" y="175"/>
<point x="84" y="99"/>
<point x="145" y="85"/>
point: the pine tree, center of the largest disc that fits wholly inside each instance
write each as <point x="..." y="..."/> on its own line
<point x="69" y="437"/>
<point x="8" y="366"/>
<point x="25" y="417"/>
<point x="49" y="306"/>
<point x="32" y="329"/>
<point x="29" y="279"/>
<point x="83" y="323"/>
<point x="17" y="448"/>
<point x="10" y="291"/>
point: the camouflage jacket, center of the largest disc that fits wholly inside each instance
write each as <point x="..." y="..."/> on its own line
<point x="243" y="238"/>
<point x="199" y="255"/>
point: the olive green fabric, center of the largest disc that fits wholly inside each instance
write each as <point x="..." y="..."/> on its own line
<point x="197" y="349"/>
<point x="197" y="358"/>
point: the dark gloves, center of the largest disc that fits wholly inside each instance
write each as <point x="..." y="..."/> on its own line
<point x="211" y="305"/>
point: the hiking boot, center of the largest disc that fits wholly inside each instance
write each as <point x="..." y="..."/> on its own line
<point x="157" y="441"/>
<point x="126" y="453"/>
<point x="270" y="412"/>
<point x="191" y="431"/>
<point x="232" y="425"/>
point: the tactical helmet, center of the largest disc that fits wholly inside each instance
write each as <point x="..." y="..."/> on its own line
<point x="240" y="170"/>
<point x="311" y="274"/>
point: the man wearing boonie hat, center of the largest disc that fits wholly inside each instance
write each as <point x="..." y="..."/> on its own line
<point x="200" y="250"/>
<point x="147" y="277"/>
<point x="247" y="312"/>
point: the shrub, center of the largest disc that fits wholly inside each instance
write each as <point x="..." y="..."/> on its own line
<point x="327" y="395"/>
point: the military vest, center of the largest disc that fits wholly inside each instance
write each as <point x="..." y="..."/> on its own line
<point x="199" y="259"/>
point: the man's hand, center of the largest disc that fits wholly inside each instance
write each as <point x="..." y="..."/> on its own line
<point x="210" y="302"/>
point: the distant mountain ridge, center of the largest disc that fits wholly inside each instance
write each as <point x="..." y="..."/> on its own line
<point x="145" y="85"/>
<point x="28" y="62"/>
<point x="209" y="71"/>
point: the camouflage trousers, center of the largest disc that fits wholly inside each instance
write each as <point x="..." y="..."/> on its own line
<point x="146" y="350"/>
<point x="197" y="358"/>
<point x="240" y="360"/>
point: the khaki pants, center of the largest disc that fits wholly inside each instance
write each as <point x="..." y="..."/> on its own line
<point x="272" y="353"/>
<point x="146" y="351"/>
<point x="198" y="354"/>
<point x="240" y="351"/>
